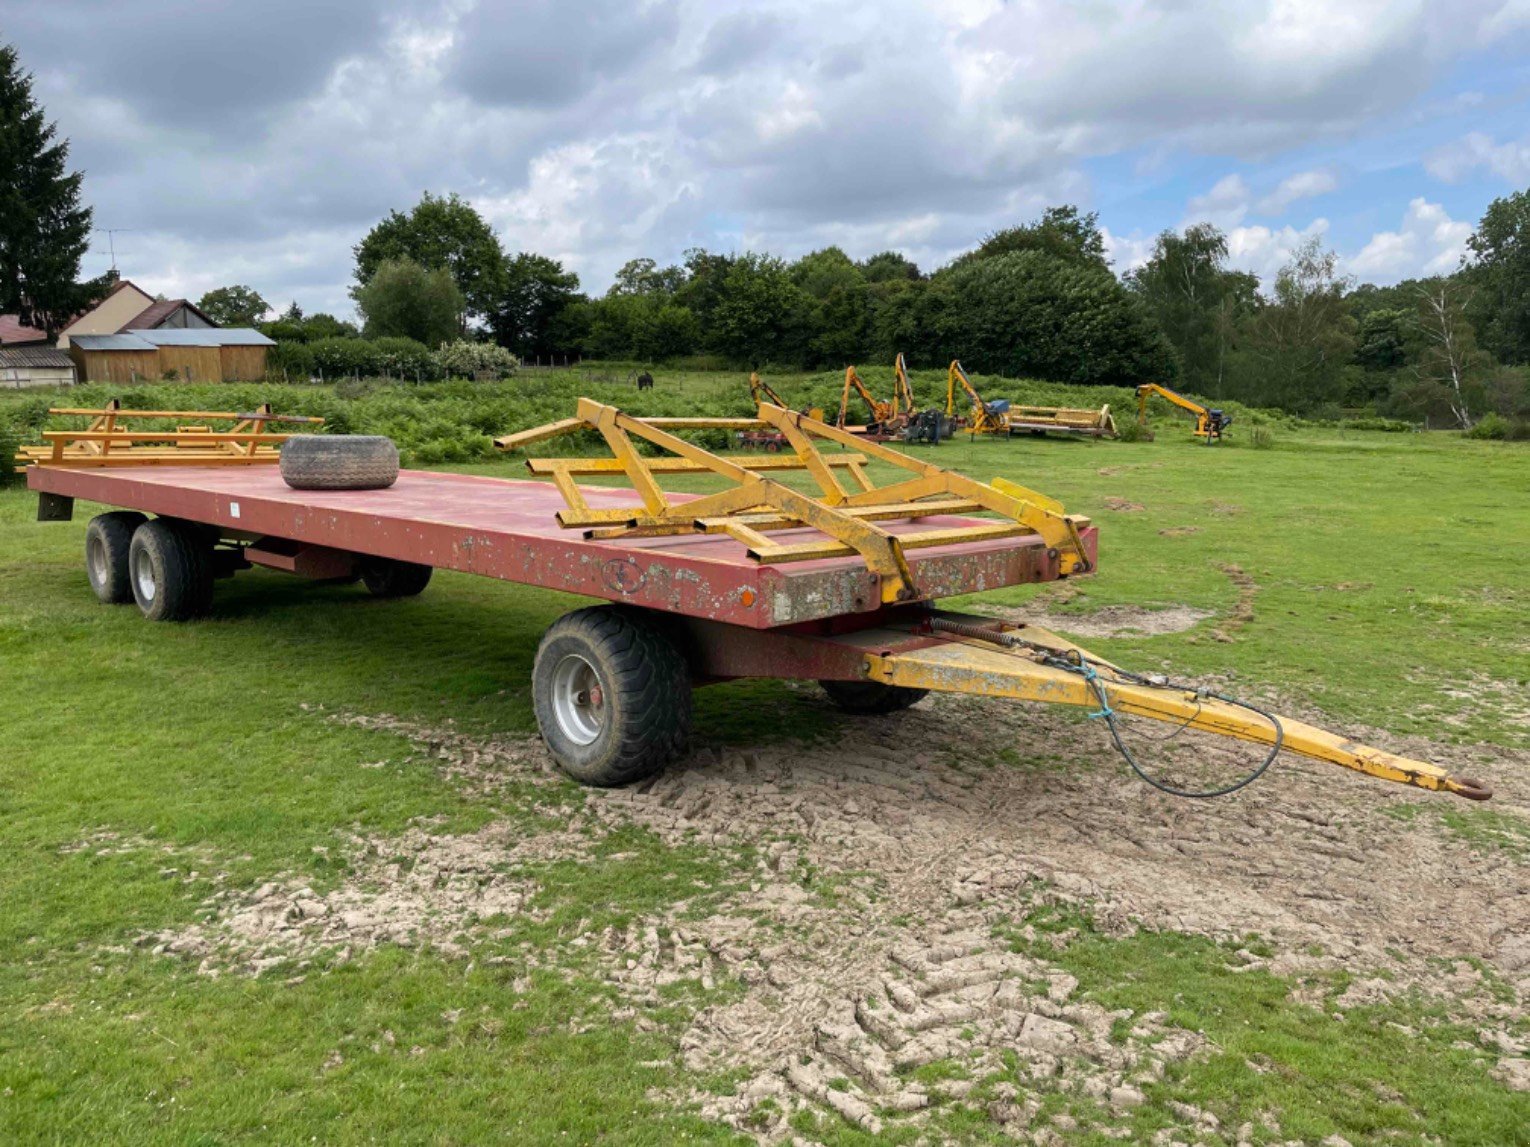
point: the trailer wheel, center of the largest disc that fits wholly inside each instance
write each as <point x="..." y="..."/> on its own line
<point x="171" y="571"/>
<point x="339" y="462"/>
<point x="386" y="577"/>
<point x="107" y="540"/>
<point x="872" y="698"/>
<point x="612" y="696"/>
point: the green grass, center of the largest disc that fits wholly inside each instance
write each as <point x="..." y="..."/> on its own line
<point x="1390" y="591"/>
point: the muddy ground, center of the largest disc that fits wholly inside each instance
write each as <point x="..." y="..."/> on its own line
<point x="924" y="835"/>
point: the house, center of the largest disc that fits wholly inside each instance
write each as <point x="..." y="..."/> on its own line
<point x="128" y="308"/>
<point x="203" y="354"/>
<point x="35" y="365"/>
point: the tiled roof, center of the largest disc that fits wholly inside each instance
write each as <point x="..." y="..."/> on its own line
<point x="13" y="331"/>
<point x="160" y="310"/>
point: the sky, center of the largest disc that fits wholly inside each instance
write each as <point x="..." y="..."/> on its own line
<point x="256" y="143"/>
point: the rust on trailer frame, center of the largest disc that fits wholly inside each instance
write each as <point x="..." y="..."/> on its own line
<point x="756" y="505"/>
<point x="506" y="528"/>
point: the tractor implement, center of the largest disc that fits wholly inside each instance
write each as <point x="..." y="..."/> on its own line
<point x="797" y="565"/>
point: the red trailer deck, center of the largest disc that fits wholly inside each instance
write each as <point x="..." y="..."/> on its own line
<point x="508" y="529"/>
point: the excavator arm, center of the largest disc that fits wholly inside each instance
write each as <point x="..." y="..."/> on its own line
<point x="880" y="411"/>
<point x="1209" y="424"/>
<point x="903" y="390"/>
<point x="983" y="419"/>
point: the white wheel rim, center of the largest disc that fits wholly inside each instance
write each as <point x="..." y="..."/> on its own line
<point x="95" y="558"/>
<point x="579" y="703"/>
<point x="143" y="577"/>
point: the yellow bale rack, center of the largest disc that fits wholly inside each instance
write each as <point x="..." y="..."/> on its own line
<point x="107" y="439"/>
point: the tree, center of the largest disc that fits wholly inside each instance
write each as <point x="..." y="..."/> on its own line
<point x="1451" y="358"/>
<point x="235" y="306"/>
<point x="440" y="232"/>
<point x="838" y="306"/>
<point x="1032" y="313"/>
<point x="44" y="230"/>
<point x="528" y="317"/>
<point x="406" y="300"/>
<point x="1061" y="232"/>
<point x="758" y="311"/>
<point x="1196" y="300"/>
<point x="889" y="266"/>
<point x="1301" y="341"/>
<point x="645" y="277"/>
<point x="1500" y="273"/>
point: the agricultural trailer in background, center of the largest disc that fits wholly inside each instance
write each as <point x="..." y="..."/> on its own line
<point x="759" y="579"/>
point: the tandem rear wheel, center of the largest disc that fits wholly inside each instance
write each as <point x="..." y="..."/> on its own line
<point x="612" y="695"/>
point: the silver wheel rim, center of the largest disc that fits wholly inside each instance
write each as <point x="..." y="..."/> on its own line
<point x="95" y="560"/>
<point x="143" y="576"/>
<point x="579" y="703"/>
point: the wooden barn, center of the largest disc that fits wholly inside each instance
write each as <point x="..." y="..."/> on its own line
<point x="182" y="355"/>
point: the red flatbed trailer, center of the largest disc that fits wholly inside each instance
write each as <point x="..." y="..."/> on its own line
<point x="508" y="529"/>
<point x="758" y="580"/>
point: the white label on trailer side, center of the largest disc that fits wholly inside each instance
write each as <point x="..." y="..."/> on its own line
<point x="233" y="509"/>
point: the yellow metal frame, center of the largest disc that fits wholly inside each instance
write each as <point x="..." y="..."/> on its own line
<point x="1203" y="426"/>
<point x="982" y="420"/>
<point x="981" y="667"/>
<point x="105" y="442"/>
<point x="757" y="505"/>
<point x="886" y="415"/>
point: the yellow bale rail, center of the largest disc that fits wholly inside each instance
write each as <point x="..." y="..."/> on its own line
<point x="110" y="439"/>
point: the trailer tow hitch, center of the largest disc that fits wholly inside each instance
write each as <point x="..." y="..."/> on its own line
<point x="1026" y="662"/>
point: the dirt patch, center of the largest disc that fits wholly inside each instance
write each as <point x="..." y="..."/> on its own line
<point x="1226" y="508"/>
<point x="1243" y="608"/>
<point x="1179" y="531"/>
<point x="1121" y="505"/>
<point x="888" y="864"/>
<point x="1109" y="620"/>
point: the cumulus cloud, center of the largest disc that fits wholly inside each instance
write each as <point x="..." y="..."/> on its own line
<point x="1302" y="185"/>
<point x="260" y="141"/>
<point x="1456" y="161"/>
<point x="1429" y="242"/>
<point x="1264" y="250"/>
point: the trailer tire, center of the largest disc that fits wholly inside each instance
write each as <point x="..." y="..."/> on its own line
<point x="107" y="541"/>
<point x="386" y="577"/>
<point x="872" y="698"/>
<point x="339" y="462"/>
<point x="612" y="696"/>
<point x="171" y="570"/>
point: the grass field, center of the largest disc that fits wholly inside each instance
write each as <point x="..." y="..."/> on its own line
<point x="154" y="775"/>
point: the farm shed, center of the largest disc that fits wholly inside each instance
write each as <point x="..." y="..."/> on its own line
<point x="207" y="355"/>
<point x="34" y="366"/>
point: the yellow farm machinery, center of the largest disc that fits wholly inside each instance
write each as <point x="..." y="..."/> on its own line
<point x="1209" y="422"/>
<point x="886" y="418"/>
<point x="1000" y="416"/>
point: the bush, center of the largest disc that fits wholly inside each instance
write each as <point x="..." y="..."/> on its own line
<point x="407" y="359"/>
<point x="1132" y="431"/>
<point x="341" y="357"/>
<point x="463" y="359"/>
<point x="1490" y="426"/>
<point x="290" y="362"/>
<point x="1261" y="437"/>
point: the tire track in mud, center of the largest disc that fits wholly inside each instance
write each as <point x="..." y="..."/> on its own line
<point x="888" y="861"/>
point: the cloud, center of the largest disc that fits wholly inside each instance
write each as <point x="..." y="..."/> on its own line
<point x="1429" y="242"/>
<point x="1303" y="185"/>
<point x="262" y="140"/>
<point x="1264" y="250"/>
<point x="1224" y="205"/>
<point x="1459" y="160"/>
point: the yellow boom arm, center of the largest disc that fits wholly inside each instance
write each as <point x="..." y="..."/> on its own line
<point x="1209" y="424"/>
<point x="880" y="411"/>
<point x="982" y="420"/>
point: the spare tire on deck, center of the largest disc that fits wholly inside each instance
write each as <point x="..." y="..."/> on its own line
<point x="339" y="462"/>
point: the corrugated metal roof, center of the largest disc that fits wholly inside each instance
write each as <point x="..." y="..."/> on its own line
<point x="36" y="356"/>
<point x="208" y="336"/>
<point x="153" y="315"/>
<point x="149" y="340"/>
<point x="110" y="342"/>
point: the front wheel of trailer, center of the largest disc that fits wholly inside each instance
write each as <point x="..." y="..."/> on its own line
<point x="612" y="696"/>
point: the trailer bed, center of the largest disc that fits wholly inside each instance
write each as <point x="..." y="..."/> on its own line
<point x="506" y="528"/>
